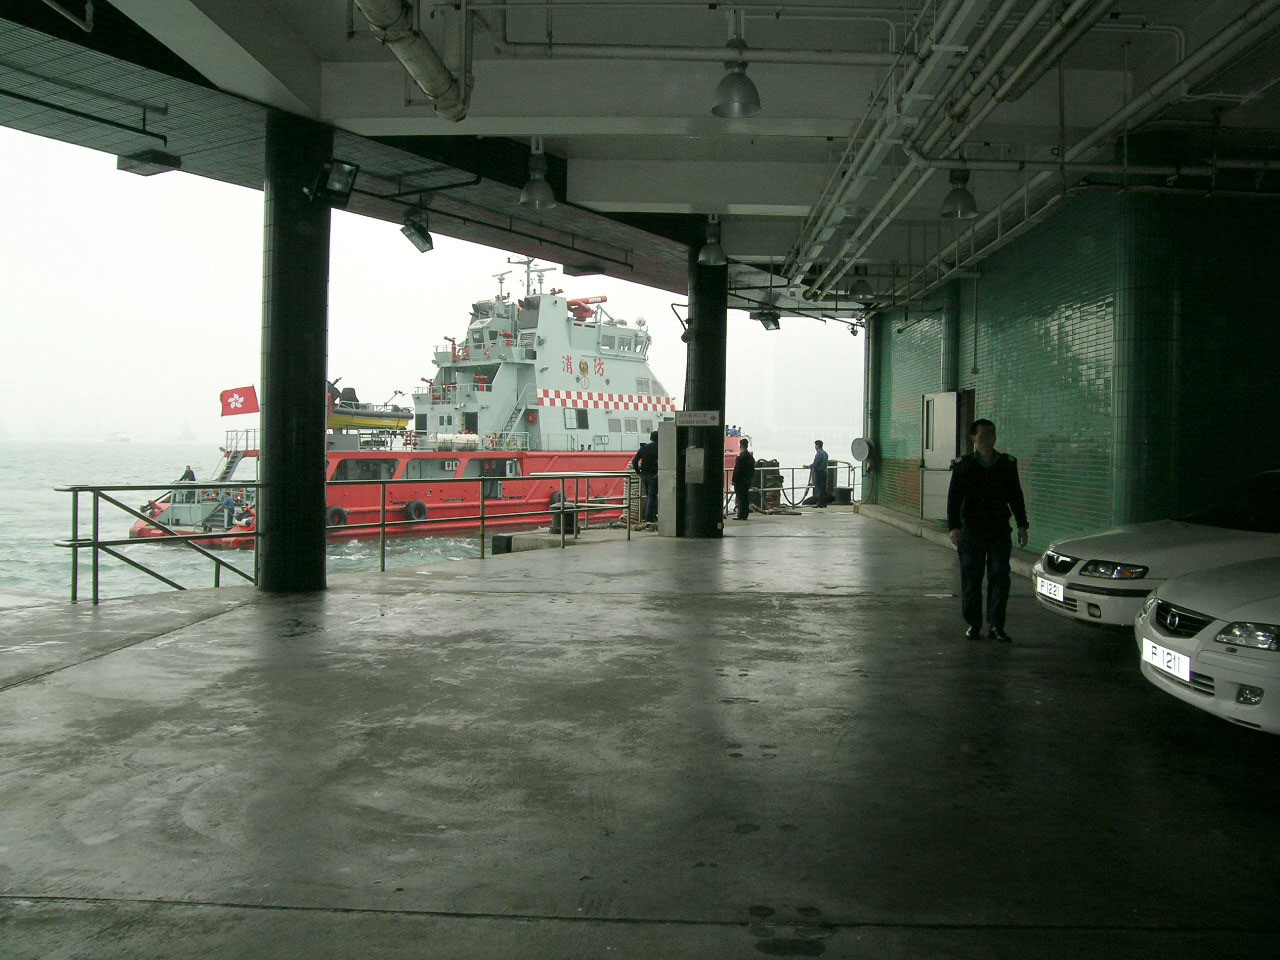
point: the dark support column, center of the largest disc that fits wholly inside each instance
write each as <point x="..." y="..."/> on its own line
<point x="950" y="373"/>
<point x="295" y="285"/>
<point x="704" y="390"/>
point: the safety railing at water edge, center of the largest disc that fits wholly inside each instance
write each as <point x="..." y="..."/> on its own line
<point x="176" y="494"/>
<point x="567" y="512"/>
<point x="761" y="484"/>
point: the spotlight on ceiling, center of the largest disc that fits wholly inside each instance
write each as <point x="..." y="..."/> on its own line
<point x="712" y="254"/>
<point x="736" y="96"/>
<point x="537" y="193"/>
<point x="148" y="162"/>
<point x="959" y="203"/>
<point x="415" y="228"/>
<point x="334" y="184"/>
<point x="769" y="319"/>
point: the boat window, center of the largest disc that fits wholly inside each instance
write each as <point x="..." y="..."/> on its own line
<point x="633" y="426"/>
<point x="646" y="426"/>
<point x="485" y="467"/>
<point x="364" y="470"/>
<point x="615" y="426"/>
<point x="513" y="468"/>
<point x="527" y="320"/>
<point x="421" y="468"/>
<point x="575" y="419"/>
<point x="624" y="344"/>
<point x="606" y="341"/>
<point x="642" y="386"/>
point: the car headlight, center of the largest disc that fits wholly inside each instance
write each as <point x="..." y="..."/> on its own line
<point x="1107" y="570"/>
<point x="1259" y="636"/>
<point x="1148" y="603"/>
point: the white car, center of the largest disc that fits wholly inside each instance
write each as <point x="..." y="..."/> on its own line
<point x="1105" y="578"/>
<point x="1213" y="639"/>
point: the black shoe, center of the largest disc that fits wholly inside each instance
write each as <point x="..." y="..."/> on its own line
<point x="973" y="633"/>
<point x="998" y="634"/>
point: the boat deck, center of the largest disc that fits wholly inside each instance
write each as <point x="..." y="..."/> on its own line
<point x="777" y="743"/>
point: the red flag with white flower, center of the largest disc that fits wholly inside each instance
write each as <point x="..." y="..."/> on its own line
<point x="239" y="400"/>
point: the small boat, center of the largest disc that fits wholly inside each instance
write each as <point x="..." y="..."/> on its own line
<point x="117" y="438"/>
<point x="537" y="384"/>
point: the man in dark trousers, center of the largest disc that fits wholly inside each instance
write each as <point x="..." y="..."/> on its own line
<point x="984" y="489"/>
<point x="645" y="463"/>
<point x="744" y="472"/>
<point x="819" y="468"/>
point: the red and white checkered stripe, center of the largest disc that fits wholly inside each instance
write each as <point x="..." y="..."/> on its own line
<point x="605" y="401"/>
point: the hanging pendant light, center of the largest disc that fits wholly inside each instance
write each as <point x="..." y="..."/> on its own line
<point x="537" y="193"/>
<point x="959" y="203"/>
<point x="712" y="254"/>
<point x="736" y="96"/>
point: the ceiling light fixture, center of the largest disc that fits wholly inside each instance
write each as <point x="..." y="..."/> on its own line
<point x="537" y="193"/>
<point x="736" y="96"/>
<point x="415" y="228"/>
<point x="712" y="254"/>
<point x="959" y="203"/>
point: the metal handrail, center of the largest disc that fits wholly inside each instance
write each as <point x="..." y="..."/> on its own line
<point x="852" y="473"/>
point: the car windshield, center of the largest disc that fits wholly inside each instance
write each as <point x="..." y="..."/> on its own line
<point x="1253" y="505"/>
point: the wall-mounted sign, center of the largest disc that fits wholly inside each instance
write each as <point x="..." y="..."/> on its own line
<point x="697" y="418"/>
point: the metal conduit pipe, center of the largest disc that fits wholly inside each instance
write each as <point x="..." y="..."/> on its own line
<point x="587" y="51"/>
<point x="925" y="50"/>
<point x="1136" y="169"/>
<point x="392" y="23"/>
<point x="1055" y="53"/>
<point x="829" y="276"/>
<point x="966" y="64"/>
<point x="1241" y="31"/>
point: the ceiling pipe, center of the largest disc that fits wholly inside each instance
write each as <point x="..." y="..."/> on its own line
<point x="1239" y="33"/>
<point x="1055" y="53"/>
<point x="840" y="264"/>
<point x="392" y="23"/>
<point x="1135" y="169"/>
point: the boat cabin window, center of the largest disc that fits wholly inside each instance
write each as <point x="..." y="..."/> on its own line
<point x="646" y="427"/>
<point x="575" y="419"/>
<point x="446" y="421"/>
<point x="364" y="470"/>
<point x="606" y="341"/>
<point x="489" y="467"/>
<point x="633" y="426"/>
<point x="624" y="344"/>
<point x="642" y="386"/>
<point x="615" y="426"/>
<point x="421" y="468"/>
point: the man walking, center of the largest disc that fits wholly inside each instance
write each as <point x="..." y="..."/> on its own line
<point x="645" y="463"/>
<point x="744" y="472"/>
<point x="984" y="489"/>
<point x="819" y="468"/>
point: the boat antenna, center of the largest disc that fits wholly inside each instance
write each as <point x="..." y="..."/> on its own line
<point x="540" y="271"/>
<point x="527" y="263"/>
<point x="501" y="278"/>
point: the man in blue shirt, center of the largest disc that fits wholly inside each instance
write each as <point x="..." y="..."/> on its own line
<point x="819" y="468"/>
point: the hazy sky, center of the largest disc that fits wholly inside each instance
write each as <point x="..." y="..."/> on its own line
<point x="130" y="302"/>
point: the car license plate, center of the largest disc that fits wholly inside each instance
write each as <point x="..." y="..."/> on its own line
<point x="1167" y="660"/>
<point x="1049" y="589"/>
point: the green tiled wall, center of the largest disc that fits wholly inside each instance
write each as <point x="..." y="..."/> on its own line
<point x="1126" y="350"/>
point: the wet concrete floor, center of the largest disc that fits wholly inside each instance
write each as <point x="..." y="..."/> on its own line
<point x="775" y="744"/>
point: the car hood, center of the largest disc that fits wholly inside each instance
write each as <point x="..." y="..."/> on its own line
<point x="1238" y="591"/>
<point x="1171" y="548"/>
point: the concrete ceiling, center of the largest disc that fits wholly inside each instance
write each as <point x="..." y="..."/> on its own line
<point x="621" y="93"/>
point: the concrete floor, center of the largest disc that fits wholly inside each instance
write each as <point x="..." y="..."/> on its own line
<point x="778" y="743"/>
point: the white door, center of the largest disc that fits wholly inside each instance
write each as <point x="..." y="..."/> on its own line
<point x="940" y="444"/>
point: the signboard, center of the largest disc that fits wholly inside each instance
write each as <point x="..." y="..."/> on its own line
<point x="697" y="418"/>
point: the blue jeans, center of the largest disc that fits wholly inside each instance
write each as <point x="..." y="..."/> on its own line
<point x="651" y="496"/>
<point x="984" y="551"/>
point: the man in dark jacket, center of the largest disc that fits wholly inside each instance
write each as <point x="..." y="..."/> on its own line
<point x="984" y="489"/>
<point x="645" y="463"/>
<point x="744" y="472"/>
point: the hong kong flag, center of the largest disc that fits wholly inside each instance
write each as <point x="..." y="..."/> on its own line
<point x="240" y="400"/>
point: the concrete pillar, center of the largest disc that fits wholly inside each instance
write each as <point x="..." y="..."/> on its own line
<point x="295" y="285"/>
<point x="949" y="376"/>
<point x="704" y="390"/>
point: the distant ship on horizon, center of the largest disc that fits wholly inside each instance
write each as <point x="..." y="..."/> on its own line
<point x="117" y="438"/>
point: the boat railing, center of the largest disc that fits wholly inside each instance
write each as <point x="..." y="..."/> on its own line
<point x="569" y="510"/>
<point x="238" y="441"/>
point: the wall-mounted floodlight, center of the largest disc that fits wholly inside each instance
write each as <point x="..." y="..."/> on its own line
<point x="334" y="185"/>
<point x="415" y="228"/>
<point x="537" y="193"/>
<point x="148" y="162"/>
<point x="712" y="254"/>
<point x="769" y="319"/>
<point x="959" y="203"/>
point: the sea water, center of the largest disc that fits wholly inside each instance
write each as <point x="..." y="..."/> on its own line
<point x="33" y="516"/>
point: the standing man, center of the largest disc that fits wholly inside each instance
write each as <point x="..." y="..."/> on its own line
<point x="645" y="463"/>
<point x="984" y="489"/>
<point x="819" y="468"/>
<point x="744" y="472"/>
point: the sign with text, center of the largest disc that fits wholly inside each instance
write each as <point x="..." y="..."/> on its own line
<point x="697" y="418"/>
